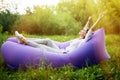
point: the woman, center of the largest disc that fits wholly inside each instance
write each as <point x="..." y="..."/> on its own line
<point x="49" y="45"/>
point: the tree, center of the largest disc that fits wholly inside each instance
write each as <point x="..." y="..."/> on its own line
<point x="7" y="19"/>
<point x="111" y="21"/>
<point x="81" y="9"/>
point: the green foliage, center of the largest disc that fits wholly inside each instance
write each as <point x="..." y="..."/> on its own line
<point x="7" y="19"/>
<point x="81" y="9"/>
<point x="76" y="8"/>
<point x="68" y="17"/>
<point x="1" y="28"/>
<point x="111" y="20"/>
<point x="3" y="36"/>
<point x="45" y="20"/>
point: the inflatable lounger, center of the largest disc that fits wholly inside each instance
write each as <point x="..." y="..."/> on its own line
<point x="17" y="55"/>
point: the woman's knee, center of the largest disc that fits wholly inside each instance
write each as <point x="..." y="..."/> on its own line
<point x="48" y="40"/>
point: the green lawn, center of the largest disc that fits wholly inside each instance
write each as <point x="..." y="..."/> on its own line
<point x="108" y="70"/>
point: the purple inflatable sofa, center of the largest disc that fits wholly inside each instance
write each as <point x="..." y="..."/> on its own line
<point x="17" y="55"/>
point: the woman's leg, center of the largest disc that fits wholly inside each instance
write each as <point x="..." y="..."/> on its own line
<point x="43" y="47"/>
<point x="47" y="42"/>
<point x="22" y="39"/>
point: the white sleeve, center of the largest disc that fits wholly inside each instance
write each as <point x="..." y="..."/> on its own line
<point x="88" y="35"/>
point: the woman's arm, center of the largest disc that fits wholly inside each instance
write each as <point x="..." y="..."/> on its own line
<point x="89" y="33"/>
<point x="86" y="27"/>
<point x="99" y="18"/>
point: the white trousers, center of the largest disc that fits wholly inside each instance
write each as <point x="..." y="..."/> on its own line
<point x="45" y="44"/>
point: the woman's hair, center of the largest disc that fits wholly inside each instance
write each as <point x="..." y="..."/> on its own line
<point x="87" y="30"/>
<point x="86" y="33"/>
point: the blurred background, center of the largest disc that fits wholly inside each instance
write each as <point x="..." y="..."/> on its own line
<point x="57" y="17"/>
<point x="61" y="20"/>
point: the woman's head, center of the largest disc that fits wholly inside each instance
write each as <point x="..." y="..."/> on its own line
<point x="82" y="33"/>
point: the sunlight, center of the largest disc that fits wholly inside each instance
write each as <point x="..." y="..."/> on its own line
<point x="23" y="4"/>
<point x="95" y="1"/>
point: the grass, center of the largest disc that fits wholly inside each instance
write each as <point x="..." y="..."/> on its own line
<point x="107" y="70"/>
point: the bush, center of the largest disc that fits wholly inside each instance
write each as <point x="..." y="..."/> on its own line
<point x="1" y="28"/>
<point x="3" y="36"/>
<point x="7" y="19"/>
<point x="47" y="22"/>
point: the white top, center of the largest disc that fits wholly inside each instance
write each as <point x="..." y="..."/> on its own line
<point x="78" y="42"/>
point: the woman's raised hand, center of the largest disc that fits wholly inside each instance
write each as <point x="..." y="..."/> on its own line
<point x="101" y="14"/>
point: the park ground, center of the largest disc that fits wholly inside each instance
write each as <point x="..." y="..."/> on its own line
<point x="107" y="70"/>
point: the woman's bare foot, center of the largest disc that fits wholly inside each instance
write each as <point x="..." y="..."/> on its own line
<point x="20" y="37"/>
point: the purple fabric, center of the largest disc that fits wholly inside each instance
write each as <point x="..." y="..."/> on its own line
<point x="92" y="52"/>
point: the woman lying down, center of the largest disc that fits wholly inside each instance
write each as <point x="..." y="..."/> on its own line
<point x="49" y="45"/>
